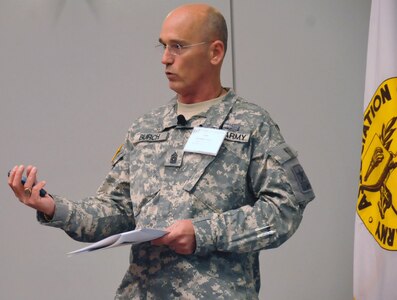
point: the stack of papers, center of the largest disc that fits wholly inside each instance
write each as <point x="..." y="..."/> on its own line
<point x="126" y="238"/>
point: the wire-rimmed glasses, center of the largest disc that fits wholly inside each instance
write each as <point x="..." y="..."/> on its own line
<point x="175" y="48"/>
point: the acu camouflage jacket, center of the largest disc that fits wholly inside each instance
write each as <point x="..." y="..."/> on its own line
<point x="248" y="197"/>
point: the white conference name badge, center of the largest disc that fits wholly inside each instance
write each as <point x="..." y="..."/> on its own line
<point x="205" y="141"/>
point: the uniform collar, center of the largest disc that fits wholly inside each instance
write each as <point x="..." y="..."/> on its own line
<point x="214" y="117"/>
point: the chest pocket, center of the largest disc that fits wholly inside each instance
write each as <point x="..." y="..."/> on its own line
<point x="219" y="183"/>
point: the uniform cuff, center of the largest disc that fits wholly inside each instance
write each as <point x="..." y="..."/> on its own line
<point x="205" y="237"/>
<point x="62" y="212"/>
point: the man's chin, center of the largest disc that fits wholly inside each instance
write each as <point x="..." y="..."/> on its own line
<point x="174" y="86"/>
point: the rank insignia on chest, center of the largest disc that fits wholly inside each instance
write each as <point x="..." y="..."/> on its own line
<point x="174" y="158"/>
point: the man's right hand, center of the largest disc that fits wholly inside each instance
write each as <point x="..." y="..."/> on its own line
<point x="29" y="193"/>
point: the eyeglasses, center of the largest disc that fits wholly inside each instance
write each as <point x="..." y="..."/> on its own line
<point x="176" y="49"/>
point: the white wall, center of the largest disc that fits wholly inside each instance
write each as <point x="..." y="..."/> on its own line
<point x="305" y="62"/>
<point x="75" y="73"/>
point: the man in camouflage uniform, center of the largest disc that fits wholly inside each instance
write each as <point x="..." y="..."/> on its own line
<point x="220" y="208"/>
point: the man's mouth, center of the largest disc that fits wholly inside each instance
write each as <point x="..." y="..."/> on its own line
<point x="170" y="75"/>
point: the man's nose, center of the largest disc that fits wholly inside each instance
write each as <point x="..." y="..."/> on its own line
<point x="167" y="57"/>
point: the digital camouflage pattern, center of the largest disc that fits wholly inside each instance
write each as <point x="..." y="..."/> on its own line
<point x="249" y="197"/>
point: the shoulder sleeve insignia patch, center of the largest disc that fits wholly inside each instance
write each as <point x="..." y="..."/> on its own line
<point x="301" y="178"/>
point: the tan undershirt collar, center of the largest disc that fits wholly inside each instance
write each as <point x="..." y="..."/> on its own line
<point x="190" y="110"/>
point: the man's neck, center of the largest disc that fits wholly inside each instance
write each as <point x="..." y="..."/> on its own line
<point x="192" y="109"/>
<point x="203" y="95"/>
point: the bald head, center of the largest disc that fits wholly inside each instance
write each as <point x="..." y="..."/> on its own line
<point x="199" y="32"/>
<point x="205" y="20"/>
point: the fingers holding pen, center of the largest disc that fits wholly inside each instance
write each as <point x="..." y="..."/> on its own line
<point x="29" y="191"/>
<point x="29" y="170"/>
<point x="11" y="175"/>
<point x="23" y="187"/>
<point x="15" y="179"/>
<point x="31" y="173"/>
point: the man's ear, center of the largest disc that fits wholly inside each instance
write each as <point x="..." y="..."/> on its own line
<point x="217" y="52"/>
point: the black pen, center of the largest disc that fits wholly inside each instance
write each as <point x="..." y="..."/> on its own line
<point x="43" y="192"/>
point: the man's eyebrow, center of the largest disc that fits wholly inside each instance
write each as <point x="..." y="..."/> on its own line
<point x="172" y="41"/>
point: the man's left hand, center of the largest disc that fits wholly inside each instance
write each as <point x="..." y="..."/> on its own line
<point x="181" y="237"/>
